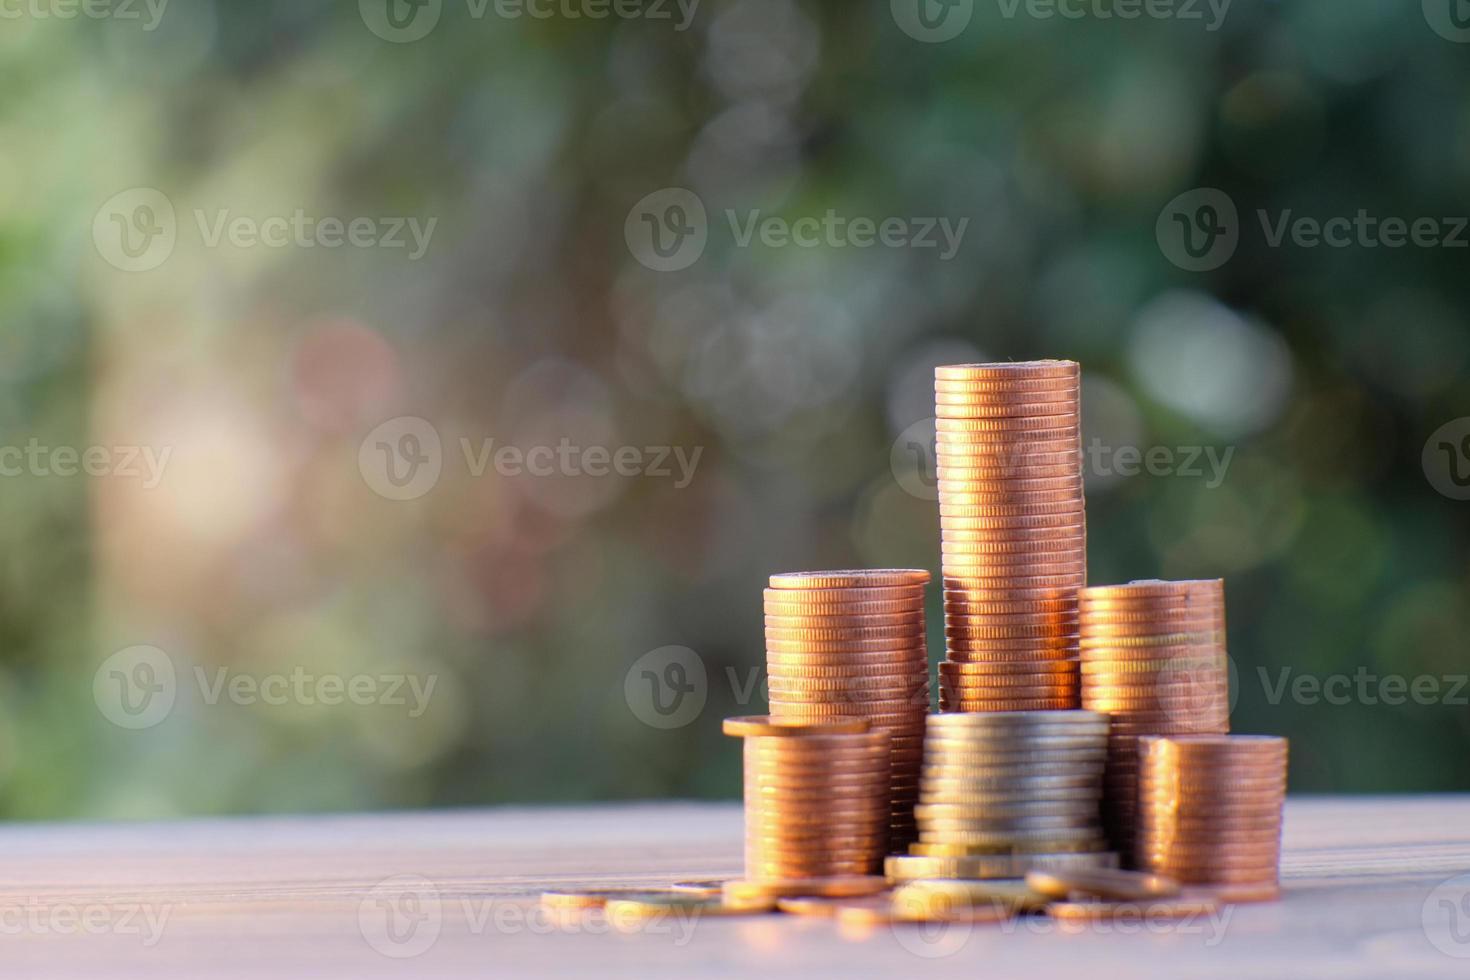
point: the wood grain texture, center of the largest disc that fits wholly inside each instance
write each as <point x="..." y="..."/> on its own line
<point x="306" y="897"/>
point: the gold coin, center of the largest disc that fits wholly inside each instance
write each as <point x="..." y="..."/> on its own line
<point x="845" y="886"/>
<point x="957" y="480"/>
<point x="970" y="629"/>
<point x="765" y="725"/>
<point x="1153" y="911"/>
<point x="1011" y="894"/>
<point x="950" y="390"/>
<point x="892" y="672"/>
<point x="1059" y="669"/>
<point x="835" y="634"/>
<point x="895" y="910"/>
<point x="1010" y="415"/>
<point x="658" y="906"/>
<point x="982" y="470"/>
<point x="907" y="620"/>
<point x="977" y="689"/>
<point x="1009" y="372"/>
<point x="1013" y="387"/>
<point x="1104" y="633"/>
<point x="816" y="598"/>
<point x="1069" y="722"/>
<point x="1024" y="586"/>
<point x="596" y="898"/>
<point x="1049" y="552"/>
<point x="991" y="592"/>
<point x="1018" y="509"/>
<point x="791" y="613"/>
<point x="986" y="493"/>
<point x="704" y="889"/>
<point x="1099" y="883"/>
<point x="1152" y="588"/>
<point x="1022" y="813"/>
<point x="899" y="684"/>
<point x="1023" y="755"/>
<point x="1265" y="748"/>
<point x="867" y="706"/>
<point x="949" y="703"/>
<point x="978" y="569"/>
<point x="1028" y="416"/>
<point x="909" y="867"/>
<point x="865" y="578"/>
<point x="864" y="745"/>
<point x="915" y="660"/>
<point x="892" y="645"/>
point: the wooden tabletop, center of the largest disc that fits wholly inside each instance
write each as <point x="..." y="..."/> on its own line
<point x="1372" y="891"/>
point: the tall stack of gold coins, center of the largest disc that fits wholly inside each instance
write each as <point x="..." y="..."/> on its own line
<point x="816" y="798"/>
<point x="1209" y="812"/>
<point x="1014" y="533"/>
<point x="1153" y="658"/>
<point x="851" y="644"/>
<point x="1007" y="792"/>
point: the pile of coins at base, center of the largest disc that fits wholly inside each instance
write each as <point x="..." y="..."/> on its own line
<point x="1080" y="763"/>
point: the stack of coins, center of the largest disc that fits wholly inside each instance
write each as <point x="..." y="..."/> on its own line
<point x="850" y="644"/>
<point x="816" y="798"/>
<point x="1014" y="537"/>
<point x="1025" y="786"/>
<point x="1153" y="657"/>
<point x="1210" y="812"/>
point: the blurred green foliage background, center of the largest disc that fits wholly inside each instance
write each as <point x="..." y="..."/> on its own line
<point x="795" y="371"/>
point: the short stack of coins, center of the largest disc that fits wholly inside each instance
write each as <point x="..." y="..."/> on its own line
<point x="1014" y="533"/>
<point x="1007" y="792"/>
<point x="1209" y="812"/>
<point x="847" y="644"/>
<point x="1154" y="659"/>
<point x="816" y="798"/>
